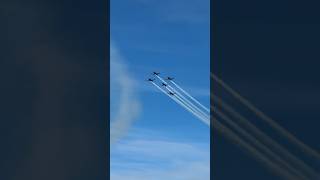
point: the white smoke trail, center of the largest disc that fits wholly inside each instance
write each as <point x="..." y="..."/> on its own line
<point x="128" y="104"/>
<point x="206" y="121"/>
<point x="260" y="156"/>
<point x="190" y="107"/>
<point x="265" y="138"/>
<point x="182" y="104"/>
<point x="187" y="102"/>
<point x="183" y="97"/>
<point x="196" y="101"/>
<point x="264" y="160"/>
<point x="264" y="117"/>
<point x="257" y="142"/>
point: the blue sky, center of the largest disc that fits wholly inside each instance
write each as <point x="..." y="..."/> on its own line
<point x="161" y="139"/>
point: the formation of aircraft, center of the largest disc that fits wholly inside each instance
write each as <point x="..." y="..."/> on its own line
<point x="162" y="83"/>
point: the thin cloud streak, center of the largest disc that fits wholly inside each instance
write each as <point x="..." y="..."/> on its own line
<point x="146" y="159"/>
<point x="128" y="103"/>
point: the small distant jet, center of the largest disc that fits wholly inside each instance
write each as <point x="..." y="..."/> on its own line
<point x="156" y="73"/>
<point x="151" y="80"/>
<point x="164" y="84"/>
<point x="170" y="78"/>
<point x="171" y="93"/>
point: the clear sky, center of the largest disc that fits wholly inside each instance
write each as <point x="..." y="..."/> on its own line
<point x="160" y="140"/>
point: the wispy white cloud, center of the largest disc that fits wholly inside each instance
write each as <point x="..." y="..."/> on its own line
<point x="123" y="93"/>
<point x="158" y="149"/>
<point x="155" y="158"/>
<point x="183" y="171"/>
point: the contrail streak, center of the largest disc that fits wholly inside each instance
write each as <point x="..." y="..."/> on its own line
<point x="184" y="98"/>
<point x="187" y="102"/>
<point x="264" y="117"/>
<point x="257" y="143"/>
<point x="264" y="137"/>
<point x="203" y="119"/>
<point x="260" y="156"/>
<point x="187" y="108"/>
<point x="237" y="140"/>
<point x="190" y="103"/>
<point x="270" y="153"/>
<point x="190" y="107"/>
<point x="184" y="93"/>
<point x="283" y="168"/>
<point x="205" y="108"/>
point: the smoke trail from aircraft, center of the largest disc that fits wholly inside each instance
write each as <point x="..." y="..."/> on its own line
<point x="295" y="169"/>
<point x="257" y="143"/>
<point x="265" y="138"/>
<point x="190" y="107"/>
<point x="206" y="121"/>
<point x="227" y="132"/>
<point x="267" y="119"/>
<point x="239" y="140"/>
<point x="187" y="94"/>
<point x="187" y="102"/>
<point x="183" y="97"/>
<point x="186" y="107"/>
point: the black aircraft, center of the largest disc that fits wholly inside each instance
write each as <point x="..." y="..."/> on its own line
<point x="164" y="84"/>
<point x="171" y="93"/>
<point x="151" y="80"/>
<point x="170" y="78"/>
<point x="156" y="73"/>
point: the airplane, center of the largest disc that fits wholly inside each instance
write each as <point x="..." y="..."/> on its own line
<point x="151" y="80"/>
<point x="156" y="73"/>
<point x="171" y="93"/>
<point x="170" y="78"/>
<point x="164" y="84"/>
